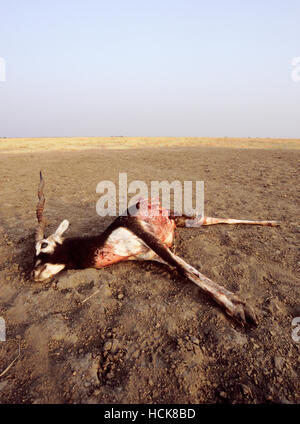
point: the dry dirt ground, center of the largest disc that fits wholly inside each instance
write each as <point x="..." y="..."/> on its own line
<point x="134" y="332"/>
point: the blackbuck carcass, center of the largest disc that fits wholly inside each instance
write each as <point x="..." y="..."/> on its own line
<point x="145" y="233"/>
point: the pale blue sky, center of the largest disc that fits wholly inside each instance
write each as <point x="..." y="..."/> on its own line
<point x="149" y="68"/>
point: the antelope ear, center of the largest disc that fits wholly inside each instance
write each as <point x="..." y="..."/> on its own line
<point x="62" y="228"/>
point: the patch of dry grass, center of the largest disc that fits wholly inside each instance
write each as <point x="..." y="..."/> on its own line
<point x="28" y="145"/>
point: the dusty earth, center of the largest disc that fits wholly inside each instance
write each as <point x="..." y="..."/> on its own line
<point x="134" y="332"/>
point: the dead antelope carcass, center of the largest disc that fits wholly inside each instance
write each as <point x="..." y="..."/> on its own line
<point x="148" y="234"/>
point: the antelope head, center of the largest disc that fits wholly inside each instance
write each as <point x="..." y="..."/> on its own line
<point x="47" y="261"/>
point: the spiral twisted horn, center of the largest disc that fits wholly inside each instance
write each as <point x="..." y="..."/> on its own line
<point x="39" y="234"/>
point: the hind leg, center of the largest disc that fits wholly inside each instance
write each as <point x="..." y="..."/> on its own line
<point x="188" y="221"/>
<point x="230" y="302"/>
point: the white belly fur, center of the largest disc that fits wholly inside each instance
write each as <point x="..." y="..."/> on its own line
<point x="126" y="243"/>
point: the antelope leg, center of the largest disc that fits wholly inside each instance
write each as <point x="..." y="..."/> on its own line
<point x="233" y="306"/>
<point x="209" y="220"/>
<point x="228" y="300"/>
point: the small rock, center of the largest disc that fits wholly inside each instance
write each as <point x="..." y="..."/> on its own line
<point x="115" y="346"/>
<point x="110" y="375"/>
<point x="107" y="346"/>
<point x="195" y="340"/>
<point x="245" y="389"/>
<point x="273" y="306"/>
<point x="120" y="296"/>
<point x="278" y="362"/>
<point x="223" y="395"/>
